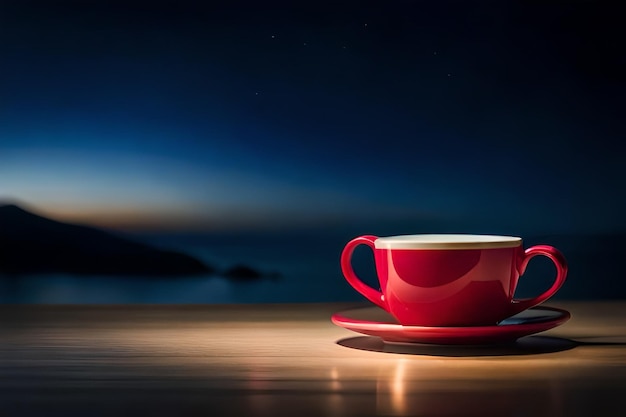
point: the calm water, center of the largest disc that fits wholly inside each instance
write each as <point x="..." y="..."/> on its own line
<point x="309" y="269"/>
<point x="308" y="273"/>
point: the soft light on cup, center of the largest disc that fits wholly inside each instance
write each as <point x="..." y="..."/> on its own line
<point x="450" y="280"/>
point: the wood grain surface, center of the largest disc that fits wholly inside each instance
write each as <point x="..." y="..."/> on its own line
<point x="265" y="360"/>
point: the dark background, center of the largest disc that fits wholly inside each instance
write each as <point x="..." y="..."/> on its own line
<point x="242" y="123"/>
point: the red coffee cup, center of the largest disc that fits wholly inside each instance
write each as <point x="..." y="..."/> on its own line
<point x="450" y="280"/>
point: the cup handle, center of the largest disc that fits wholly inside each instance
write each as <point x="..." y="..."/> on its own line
<point x="561" y="272"/>
<point x="368" y="292"/>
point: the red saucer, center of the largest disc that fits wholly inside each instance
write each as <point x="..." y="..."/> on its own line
<point x="374" y="321"/>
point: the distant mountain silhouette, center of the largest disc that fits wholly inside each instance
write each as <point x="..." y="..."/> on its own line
<point x="31" y="244"/>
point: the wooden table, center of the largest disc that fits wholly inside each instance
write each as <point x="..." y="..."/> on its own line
<point x="250" y="360"/>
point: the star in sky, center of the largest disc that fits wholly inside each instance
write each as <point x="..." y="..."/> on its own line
<point x="170" y="90"/>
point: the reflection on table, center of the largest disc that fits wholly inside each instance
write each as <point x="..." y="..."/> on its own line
<point x="290" y="360"/>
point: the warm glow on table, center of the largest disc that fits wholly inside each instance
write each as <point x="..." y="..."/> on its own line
<point x="289" y="359"/>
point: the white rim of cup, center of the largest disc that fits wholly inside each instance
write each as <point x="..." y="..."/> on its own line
<point x="447" y="241"/>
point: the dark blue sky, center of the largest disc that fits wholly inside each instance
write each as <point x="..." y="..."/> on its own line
<point x="491" y="116"/>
